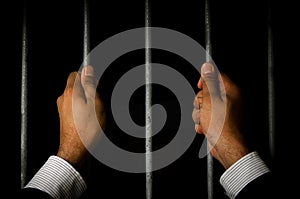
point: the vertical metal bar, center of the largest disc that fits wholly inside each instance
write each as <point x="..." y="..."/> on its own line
<point x="207" y="31"/>
<point x="86" y="50"/>
<point x="210" y="170"/>
<point x="271" y="96"/>
<point x="148" y="102"/>
<point x="24" y="102"/>
<point x="86" y="33"/>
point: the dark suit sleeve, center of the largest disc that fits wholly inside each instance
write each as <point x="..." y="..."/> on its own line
<point x="34" y="194"/>
<point x="260" y="188"/>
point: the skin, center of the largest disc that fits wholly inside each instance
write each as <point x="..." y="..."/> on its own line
<point x="229" y="145"/>
<point x="77" y="107"/>
<point x="80" y="101"/>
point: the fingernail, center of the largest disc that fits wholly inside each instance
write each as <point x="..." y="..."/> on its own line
<point x="207" y="68"/>
<point x="88" y="71"/>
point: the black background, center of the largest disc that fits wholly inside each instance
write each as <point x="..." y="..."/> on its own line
<point x="239" y="49"/>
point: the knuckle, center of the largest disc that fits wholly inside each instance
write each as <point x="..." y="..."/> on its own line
<point x="90" y="81"/>
<point x="196" y="116"/>
<point x="68" y="92"/>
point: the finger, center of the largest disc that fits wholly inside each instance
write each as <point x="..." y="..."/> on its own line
<point x="200" y="83"/>
<point x="211" y="80"/>
<point x="73" y="86"/>
<point x="196" y="103"/>
<point x="71" y="80"/>
<point x="88" y="82"/>
<point x="196" y="116"/>
<point x="198" y="129"/>
<point x="78" y="91"/>
<point x="198" y="100"/>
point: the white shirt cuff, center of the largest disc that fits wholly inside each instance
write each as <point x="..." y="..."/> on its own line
<point x="59" y="179"/>
<point x="242" y="172"/>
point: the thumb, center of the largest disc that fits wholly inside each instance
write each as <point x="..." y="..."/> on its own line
<point x="211" y="80"/>
<point x="88" y="82"/>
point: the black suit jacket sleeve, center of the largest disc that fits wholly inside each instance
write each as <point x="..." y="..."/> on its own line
<point x="34" y="194"/>
<point x="260" y="188"/>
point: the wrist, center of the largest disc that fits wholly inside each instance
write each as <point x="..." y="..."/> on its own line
<point x="230" y="151"/>
<point x="73" y="159"/>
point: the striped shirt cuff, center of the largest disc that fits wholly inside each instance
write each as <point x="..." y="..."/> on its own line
<point x="59" y="179"/>
<point x="242" y="172"/>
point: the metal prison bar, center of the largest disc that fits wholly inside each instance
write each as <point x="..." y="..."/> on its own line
<point x="148" y="116"/>
<point x="86" y="33"/>
<point x="148" y="102"/>
<point x="24" y="102"/>
<point x="210" y="170"/>
<point x="271" y="96"/>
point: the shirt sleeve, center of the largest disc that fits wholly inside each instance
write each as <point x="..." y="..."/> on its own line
<point x="242" y="172"/>
<point x="59" y="179"/>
